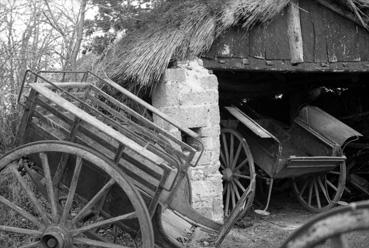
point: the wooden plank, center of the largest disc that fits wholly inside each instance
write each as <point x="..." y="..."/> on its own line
<point x="51" y="124"/>
<point x="320" y="29"/>
<point x="342" y="38"/>
<point x="307" y="30"/>
<point x="97" y="123"/>
<point x="349" y="15"/>
<point x="257" y="42"/>
<point x="142" y="119"/>
<point x="233" y="43"/>
<point x="149" y="107"/>
<point x="283" y="66"/>
<point x="29" y="107"/>
<point x="276" y="38"/>
<point x="294" y="33"/>
<point x="363" y="45"/>
<point x="61" y="115"/>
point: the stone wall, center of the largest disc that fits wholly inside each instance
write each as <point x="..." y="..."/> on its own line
<point x="189" y="94"/>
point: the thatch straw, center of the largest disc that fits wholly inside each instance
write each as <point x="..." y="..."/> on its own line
<point x="181" y="29"/>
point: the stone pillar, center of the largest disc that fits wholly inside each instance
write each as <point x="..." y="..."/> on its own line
<point x="189" y="94"/>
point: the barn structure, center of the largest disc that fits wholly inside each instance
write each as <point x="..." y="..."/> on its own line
<point x="271" y="55"/>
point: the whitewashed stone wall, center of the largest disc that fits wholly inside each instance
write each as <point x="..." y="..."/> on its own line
<point x="189" y="94"/>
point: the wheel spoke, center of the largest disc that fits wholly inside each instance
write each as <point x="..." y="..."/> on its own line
<point x="225" y="146"/>
<point x="240" y="185"/>
<point x="20" y="230"/>
<point x="236" y="190"/>
<point x="93" y="201"/>
<point x="223" y="162"/>
<point x="104" y="222"/>
<point x="303" y="187"/>
<point x="96" y="243"/>
<point x="331" y="185"/>
<point x="334" y="172"/>
<point x="49" y="185"/>
<point x="241" y="176"/>
<point x="317" y="195"/>
<point x="227" y="200"/>
<point x="21" y="211"/>
<point x="325" y="193"/>
<point x="310" y="192"/>
<point x="242" y="164"/>
<point x="231" y="151"/>
<point x="233" y="197"/>
<point x="239" y="148"/>
<point x="72" y="189"/>
<point x="31" y="245"/>
<point x="30" y="195"/>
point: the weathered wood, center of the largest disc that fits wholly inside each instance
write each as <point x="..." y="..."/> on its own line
<point x="96" y="123"/>
<point x="276" y="38"/>
<point x="294" y="33"/>
<point x="139" y="117"/>
<point x="257" y="42"/>
<point x="307" y="29"/>
<point x="151" y="108"/>
<point x="283" y="66"/>
<point x="364" y="46"/>
<point x="342" y="38"/>
<point x="342" y="12"/>
<point x="29" y="107"/>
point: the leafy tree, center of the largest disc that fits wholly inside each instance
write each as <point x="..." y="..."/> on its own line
<point x="115" y="17"/>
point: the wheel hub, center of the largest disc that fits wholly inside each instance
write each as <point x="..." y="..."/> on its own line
<point x="56" y="237"/>
<point x="227" y="174"/>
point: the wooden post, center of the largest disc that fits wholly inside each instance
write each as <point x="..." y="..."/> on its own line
<point x="294" y="33"/>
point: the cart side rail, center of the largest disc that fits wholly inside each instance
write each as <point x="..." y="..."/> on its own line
<point x="98" y="95"/>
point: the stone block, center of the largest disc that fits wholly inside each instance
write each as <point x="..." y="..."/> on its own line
<point x="198" y="98"/>
<point x="189" y="94"/>
<point x="194" y="116"/>
<point x="211" y="142"/>
<point x="175" y="75"/>
<point x="211" y="130"/>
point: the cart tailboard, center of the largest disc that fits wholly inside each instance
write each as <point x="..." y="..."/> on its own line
<point x="297" y="166"/>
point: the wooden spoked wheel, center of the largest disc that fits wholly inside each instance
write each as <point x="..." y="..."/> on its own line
<point x="236" y="166"/>
<point x="90" y="205"/>
<point x="335" y="228"/>
<point x="321" y="191"/>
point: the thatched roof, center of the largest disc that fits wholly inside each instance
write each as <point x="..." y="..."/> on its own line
<point x="182" y="29"/>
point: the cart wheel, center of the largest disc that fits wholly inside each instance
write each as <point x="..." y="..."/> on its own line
<point x="236" y="166"/>
<point x="320" y="192"/>
<point x="336" y="226"/>
<point x="93" y="206"/>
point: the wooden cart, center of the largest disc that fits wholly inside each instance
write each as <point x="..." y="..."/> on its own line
<point x="310" y="151"/>
<point x="333" y="225"/>
<point x="93" y="172"/>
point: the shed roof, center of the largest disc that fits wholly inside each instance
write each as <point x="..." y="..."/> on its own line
<point x="179" y="30"/>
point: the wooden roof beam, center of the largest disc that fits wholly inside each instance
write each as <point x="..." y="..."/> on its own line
<point x="294" y="33"/>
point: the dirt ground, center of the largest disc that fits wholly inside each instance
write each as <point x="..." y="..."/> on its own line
<point x="271" y="231"/>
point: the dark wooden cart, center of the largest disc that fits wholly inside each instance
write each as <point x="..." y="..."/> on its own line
<point x="310" y="151"/>
<point x="96" y="173"/>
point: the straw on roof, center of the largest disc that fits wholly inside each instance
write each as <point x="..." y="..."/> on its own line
<point x="182" y="29"/>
